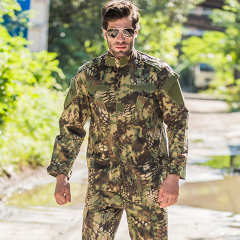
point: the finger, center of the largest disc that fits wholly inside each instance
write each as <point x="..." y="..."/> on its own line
<point x="165" y="201"/>
<point x="60" y="201"/>
<point x="174" y="200"/>
<point x="60" y="198"/>
<point x="160" y="194"/>
<point x="68" y="195"/>
<point x="171" y="201"/>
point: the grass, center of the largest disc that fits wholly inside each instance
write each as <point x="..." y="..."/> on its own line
<point x="197" y="140"/>
<point x="222" y="162"/>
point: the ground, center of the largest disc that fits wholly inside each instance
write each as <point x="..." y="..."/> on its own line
<point x="212" y="131"/>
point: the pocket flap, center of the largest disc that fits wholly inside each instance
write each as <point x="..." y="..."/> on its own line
<point x="98" y="88"/>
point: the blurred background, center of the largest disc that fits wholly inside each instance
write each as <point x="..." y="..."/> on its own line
<point x="43" y="43"/>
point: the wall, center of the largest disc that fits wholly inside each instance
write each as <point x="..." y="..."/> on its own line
<point x="38" y="33"/>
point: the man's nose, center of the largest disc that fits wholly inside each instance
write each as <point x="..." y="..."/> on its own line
<point x="120" y="37"/>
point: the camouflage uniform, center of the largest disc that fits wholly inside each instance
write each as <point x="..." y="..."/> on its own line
<point x="128" y="100"/>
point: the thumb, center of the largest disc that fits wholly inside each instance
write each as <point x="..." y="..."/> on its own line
<point x="68" y="194"/>
<point x="160" y="194"/>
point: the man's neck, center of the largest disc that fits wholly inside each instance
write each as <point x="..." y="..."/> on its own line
<point x="111" y="60"/>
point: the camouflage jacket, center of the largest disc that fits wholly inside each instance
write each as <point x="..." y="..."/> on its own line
<point x="128" y="100"/>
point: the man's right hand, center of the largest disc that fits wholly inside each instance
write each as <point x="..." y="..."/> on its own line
<point x="62" y="191"/>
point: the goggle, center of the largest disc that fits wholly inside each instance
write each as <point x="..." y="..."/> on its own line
<point x="127" y="32"/>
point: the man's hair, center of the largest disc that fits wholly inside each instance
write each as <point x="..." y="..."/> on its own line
<point x="118" y="9"/>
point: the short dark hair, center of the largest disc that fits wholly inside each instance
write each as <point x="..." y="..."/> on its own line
<point x="117" y="9"/>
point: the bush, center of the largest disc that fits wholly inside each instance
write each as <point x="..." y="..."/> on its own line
<point x="28" y="135"/>
<point x="30" y="100"/>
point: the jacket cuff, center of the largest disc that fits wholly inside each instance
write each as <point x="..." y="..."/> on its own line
<point x="177" y="170"/>
<point x="54" y="170"/>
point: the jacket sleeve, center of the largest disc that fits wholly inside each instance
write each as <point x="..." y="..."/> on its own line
<point x="175" y="116"/>
<point x="75" y="114"/>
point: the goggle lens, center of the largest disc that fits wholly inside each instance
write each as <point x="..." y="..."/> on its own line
<point x="127" y="32"/>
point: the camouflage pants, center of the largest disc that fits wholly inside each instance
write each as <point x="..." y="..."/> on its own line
<point x="103" y="212"/>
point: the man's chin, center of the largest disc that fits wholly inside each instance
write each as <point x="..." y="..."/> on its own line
<point x="121" y="54"/>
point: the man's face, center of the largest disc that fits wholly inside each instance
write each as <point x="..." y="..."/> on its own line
<point x="120" y="46"/>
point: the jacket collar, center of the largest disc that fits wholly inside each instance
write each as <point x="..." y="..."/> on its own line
<point x="119" y="62"/>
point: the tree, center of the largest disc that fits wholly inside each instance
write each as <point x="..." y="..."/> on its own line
<point x="8" y="7"/>
<point x="19" y="67"/>
<point x="29" y="101"/>
<point x="75" y="30"/>
<point x="221" y="50"/>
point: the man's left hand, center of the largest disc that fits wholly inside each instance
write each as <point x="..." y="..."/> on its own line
<point x="169" y="191"/>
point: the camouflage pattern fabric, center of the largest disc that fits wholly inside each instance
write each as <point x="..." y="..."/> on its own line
<point x="146" y="220"/>
<point x="129" y="100"/>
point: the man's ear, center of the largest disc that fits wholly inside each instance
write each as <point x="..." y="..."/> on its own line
<point x="136" y="33"/>
<point x="104" y="33"/>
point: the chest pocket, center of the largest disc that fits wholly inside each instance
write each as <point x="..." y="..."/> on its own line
<point x="95" y="90"/>
<point x="146" y="106"/>
<point x="98" y="92"/>
<point x="98" y="101"/>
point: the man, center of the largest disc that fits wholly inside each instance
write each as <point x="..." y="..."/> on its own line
<point x="128" y="95"/>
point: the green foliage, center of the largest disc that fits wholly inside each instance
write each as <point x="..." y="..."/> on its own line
<point x="75" y="33"/>
<point x="29" y="105"/>
<point x="162" y="41"/>
<point x="221" y="50"/>
<point x="8" y="7"/>
<point x="19" y="66"/>
<point x="222" y="162"/>
<point x="75" y="30"/>
<point x="16" y="20"/>
<point x="172" y="12"/>
<point x="28" y="134"/>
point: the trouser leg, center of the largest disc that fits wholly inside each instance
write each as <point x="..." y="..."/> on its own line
<point x="101" y="223"/>
<point x="147" y="224"/>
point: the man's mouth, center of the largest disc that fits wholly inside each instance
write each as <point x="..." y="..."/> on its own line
<point x="120" y="47"/>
